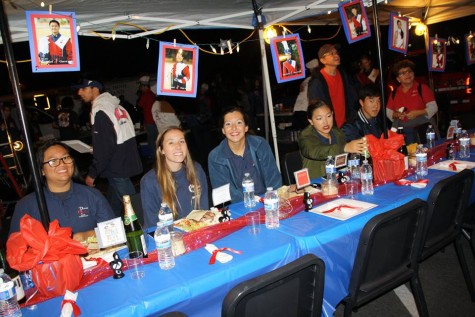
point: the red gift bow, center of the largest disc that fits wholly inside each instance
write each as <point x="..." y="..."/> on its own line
<point x="76" y="309"/>
<point x="453" y="166"/>
<point x="212" y="260"/>
<point x="338" y="208"/>
<point x="405" y="182"/>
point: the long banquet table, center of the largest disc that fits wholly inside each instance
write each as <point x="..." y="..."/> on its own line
<point x="198" y="289"/>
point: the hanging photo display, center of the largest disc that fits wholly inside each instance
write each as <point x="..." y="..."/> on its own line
<point x="287" y="58"/>
<point x="53" y="41"/>
<point x="355" y="21"/>
<point x="436" y="60"/>
<point x="177" y="69"/>
<point x="469" y="48"/>
<point x="398" y="37"/>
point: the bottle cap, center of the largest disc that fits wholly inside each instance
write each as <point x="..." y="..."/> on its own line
<point x="365" y="161"/>
<point x="246" y="174"/>
<point x="163" y="204"/>
<point x="269" y="188"/>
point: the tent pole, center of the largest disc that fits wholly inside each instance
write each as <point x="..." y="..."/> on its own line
<point x="380" y="64"/>
<point x="11" y="64"/>
<point x="265" y="72"/>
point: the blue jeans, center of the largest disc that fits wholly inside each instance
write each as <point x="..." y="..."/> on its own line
<point x="119" y="187"/>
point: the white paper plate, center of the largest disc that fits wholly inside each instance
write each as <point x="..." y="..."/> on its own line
<point x="444" y="166"/>
<point x="355" y="207"/>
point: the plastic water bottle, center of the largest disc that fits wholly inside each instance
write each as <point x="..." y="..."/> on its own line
<point x="248" y="191"/>
<point x="165" y="216"/>
<point x="8" y="302"/>
<point x="366" y="179"/>
<point x="430" y="136"/>
<point x="163" y="241"/>
<point x="421" y="162"/>
<point x="330" y="168"/>
<point x="354" y="166"/>
<point x="464" y="143"/>
<point x="271" y="207"/>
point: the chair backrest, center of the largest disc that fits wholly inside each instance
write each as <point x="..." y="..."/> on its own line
<point x="292" y="163"/>
<point x="388" y="251"/>
<point x="294" y="290"/>
<point x="447" y="203"/>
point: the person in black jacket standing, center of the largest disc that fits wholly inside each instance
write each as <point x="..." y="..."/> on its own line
<point x="115" y="153"/>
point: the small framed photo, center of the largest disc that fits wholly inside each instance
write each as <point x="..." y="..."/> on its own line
<point x="341" y="160"/>
<point x="355" y="21"/>
<point x="53" y="41"/>
<point x="437" y="54"/>
<point x="110" y="233"/>
<point x="450" y="133"/>
<point x="469" y="48"/>
<point x="287" y="58"/>
<point x="302" y="178"/>
<point x="177" y="70"/>
<point x="398" y="37"/>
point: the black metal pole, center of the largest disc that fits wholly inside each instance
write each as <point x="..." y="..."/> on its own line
<point x="380" y="64"/>
<point x="12" y="71"/>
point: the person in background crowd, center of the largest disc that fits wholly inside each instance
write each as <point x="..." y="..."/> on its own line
<point x="163" y="114"/>
<point x="412" y="103"/>
<point x="73" y="204"/>
<point x="333" y="86"/>
<point x="145" y="102"/>
<point x="67" y="120"/>
<point x="176" y="179"/>
<point x="55" y="48"/>
<point x="320" y="139"/>
<point x="367" y="120"/>
<point x="301" y="103"/>
<point x="115" y="154"/>
<point x="241" y="153"/>
<point x="368" y="73"/>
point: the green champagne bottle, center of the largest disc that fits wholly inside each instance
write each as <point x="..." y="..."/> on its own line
<point x="133" y="229"/>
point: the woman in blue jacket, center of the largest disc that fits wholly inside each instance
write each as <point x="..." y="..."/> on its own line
<point x="241" y="153"/>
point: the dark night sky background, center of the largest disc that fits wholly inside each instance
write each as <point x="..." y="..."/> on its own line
<point x="107" y="59"/>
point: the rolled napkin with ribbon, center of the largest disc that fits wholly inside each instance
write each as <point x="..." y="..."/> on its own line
<point x="69" y="306"/>
<point x="422" y="183"/>
<point x="216" y="254"/>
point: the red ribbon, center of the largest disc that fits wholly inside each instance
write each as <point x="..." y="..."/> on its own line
<point x="212" y="260"/>
<point x="453" y="166"/>
<point x="405" y="182"/>
<point x="76" y="309"/>
<point x="338" y="208"/>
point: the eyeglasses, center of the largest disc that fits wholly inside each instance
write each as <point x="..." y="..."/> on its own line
<point x="405" y="72"/>
<point x="332" y="53"/>
<point x="55" y="162"/>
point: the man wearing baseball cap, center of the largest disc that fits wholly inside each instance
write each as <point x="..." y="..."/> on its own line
<point x="333" y="85"/>
<point x="115" y="153"/>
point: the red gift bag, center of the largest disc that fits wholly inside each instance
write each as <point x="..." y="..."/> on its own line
<point x="388" y="163"/>
<point x="52" y="257"/>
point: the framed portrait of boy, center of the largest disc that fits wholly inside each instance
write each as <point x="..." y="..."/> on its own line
<point x="355" y="20"/>
<point x="53" y="41"/>
<point x="437" y="54"/>
<point x="287" y="58"/>
<point x="177" y="69"/>
<point x="469" y="48"/>
<point x="398" y="37"/>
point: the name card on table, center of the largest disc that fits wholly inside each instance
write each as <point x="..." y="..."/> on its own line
<point x="221" y="195"/>
<point x="110" y="233"/>
<point x="302" y="178"/>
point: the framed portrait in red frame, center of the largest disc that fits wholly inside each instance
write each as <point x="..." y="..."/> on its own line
<point x="287" y="58"/>
<point x="355" y="20"/>
<point x="469" y="41"/>
<point x="177" y="70"/>
<point x="53" y="41"/>
<point x="437" y="54"/>
<point x="398" y="37"/>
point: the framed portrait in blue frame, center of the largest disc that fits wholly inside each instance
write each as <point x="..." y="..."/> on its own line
<point x="53" y="41"/>
<point x="469" y="41"/>
<point x="398" y="37"/>
<point x="177" y="70"/>
<point x="437" y="54"/>
<point x="287" y="58"/>
<point x="355" y="20"/>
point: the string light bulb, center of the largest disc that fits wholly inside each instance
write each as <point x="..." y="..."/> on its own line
<point x="113" y="35"/>
<point x="237" y="48"/>
<point x="147" y="45"/>
<point x="309" y="30"/>
<point x="78" y="27"/>
<point x="420" y="29"/>
<point x="213" y="49"/>
<point x="269" y="32"/>
<point x="42" y="4"/>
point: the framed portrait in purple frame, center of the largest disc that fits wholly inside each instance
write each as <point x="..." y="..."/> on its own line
<point x="398" y="37"/>
<point x="437" y="54"/>
<point x="469" y="41"/>
<point x="355" y="20"/>
<point x="53" y="41"/>
<point x="177" y="70"/>
<point x="287" y="58"/>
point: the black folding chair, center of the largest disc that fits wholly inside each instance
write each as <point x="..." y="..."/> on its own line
<point x="387" y="256"/>
<point x="292" y="163"/>
<point x="447" y="204"/>
<point x="294" y="290"/>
